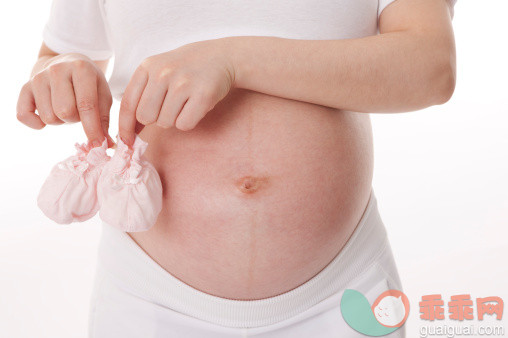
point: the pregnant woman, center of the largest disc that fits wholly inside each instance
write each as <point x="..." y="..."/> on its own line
<point x="257" y="118"/>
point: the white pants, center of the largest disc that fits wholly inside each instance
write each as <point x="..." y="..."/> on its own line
<point x="135" y="297"/>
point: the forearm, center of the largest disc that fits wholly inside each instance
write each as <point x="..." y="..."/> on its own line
<point x="392" y="72"/>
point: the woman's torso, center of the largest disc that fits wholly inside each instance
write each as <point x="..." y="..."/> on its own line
<point x="265" y="191"/>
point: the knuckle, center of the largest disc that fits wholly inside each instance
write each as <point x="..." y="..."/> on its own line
<point x="146" y="63"/>
<point x="164" y="75"/>
<point x="65" y="113"/>
<point x="140" y="73"/>
<point x="79" y="63"/>
<point x="44" y="118"/>
<point x="183" y="125"/>
<point x="104" y="119"/>
<point x="38" y="78"/>
<point x="50" y="119"/>
<point x="26" y="87"/>
<point x="85" y="105"/>
<point x="206" y="96"/>
<point x="126" y="105"/>
<point x="21" y="116"/>
<point x="144" y="118"/>
<point x="181" y="84"/>
<point x="142" y="121"/>
<point x="56" y="70"/>
<point x="164" y="124"/>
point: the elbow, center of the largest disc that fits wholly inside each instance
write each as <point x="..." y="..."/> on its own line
<point x="435" y="84"/>
<point x="446" y="88"/>
<point x="443" y="82"/>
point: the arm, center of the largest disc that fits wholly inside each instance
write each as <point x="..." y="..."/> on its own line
<point x="409" y="66"/>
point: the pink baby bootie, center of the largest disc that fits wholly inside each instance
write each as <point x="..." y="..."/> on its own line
<point x="69" y="194"/>
<point x="130" y="189"/>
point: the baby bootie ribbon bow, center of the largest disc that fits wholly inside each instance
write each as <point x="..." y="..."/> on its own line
<point x="130" y="189"/>
<point x="69" y="193"/>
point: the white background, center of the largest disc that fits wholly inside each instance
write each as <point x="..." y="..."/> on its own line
<point x="441" y="180"/>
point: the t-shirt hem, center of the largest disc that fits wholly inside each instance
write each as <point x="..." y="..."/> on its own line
<point x="384" y="3"/>
<point x="61" y="46"/>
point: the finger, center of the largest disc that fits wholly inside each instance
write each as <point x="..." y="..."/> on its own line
<point x="63" y="100"/>
<point x="192" y="112"/>
<point x="42" y="97"/>
<point x="127" y="117"/>
<point x="151" y="102"/>
<point x="172" y="106"/>
<point x="87" y="103"/>
<point x="105" y="102"/>
<point x="25" y="109"/>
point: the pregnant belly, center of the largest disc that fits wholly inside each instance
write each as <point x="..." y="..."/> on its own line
<point x="260" y="196"/>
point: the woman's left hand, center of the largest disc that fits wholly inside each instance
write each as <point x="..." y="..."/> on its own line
<point x="176" y="88"/>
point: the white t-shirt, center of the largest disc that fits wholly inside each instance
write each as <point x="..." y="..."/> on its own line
<point x="132" y="30"/>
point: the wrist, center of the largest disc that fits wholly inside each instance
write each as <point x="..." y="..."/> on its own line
<point x="46" y="61"/>
<point x="236" y="49"/>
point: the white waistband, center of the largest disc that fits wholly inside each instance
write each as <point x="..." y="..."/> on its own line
<point x="135" y="271"/>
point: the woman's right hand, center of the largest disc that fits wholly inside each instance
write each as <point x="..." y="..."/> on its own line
<point x="69" y="88"/>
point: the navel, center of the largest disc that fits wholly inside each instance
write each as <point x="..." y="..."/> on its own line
<point x="250" y="184"/>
